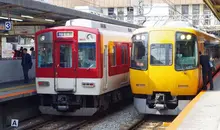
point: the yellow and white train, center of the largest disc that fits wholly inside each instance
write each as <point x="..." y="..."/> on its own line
<point x="165" y="72"/>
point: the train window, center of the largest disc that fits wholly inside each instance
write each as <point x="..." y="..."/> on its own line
<point x="45" y="58"/>
<point x="126" y="54"/>
<point x="139" y="56"/>
<point x="65" y="56"/>
<point x="87" y="55"/>
<point x="186" y="56"/>
<point x="161" y="54"/>
<point x="122" y="55"/>
<point x="113" y="56"/>
<point x="45" y="50"/>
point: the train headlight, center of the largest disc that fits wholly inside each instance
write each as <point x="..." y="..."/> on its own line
<point x="189" y="37"/>
<point x="143" y="37"/>
<point x="138" y="37"/>
<point x="42" y="38"/>
<point x="182" y="37"/>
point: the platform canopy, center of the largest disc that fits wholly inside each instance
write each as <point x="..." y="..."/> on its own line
<point x="29" y="12"/>
<point x="214" y="5"/>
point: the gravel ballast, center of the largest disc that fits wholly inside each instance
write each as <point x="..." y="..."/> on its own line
<point x="113" y="122"/>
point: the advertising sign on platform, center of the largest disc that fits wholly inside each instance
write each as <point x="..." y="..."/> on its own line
<point x="27" y="30"/>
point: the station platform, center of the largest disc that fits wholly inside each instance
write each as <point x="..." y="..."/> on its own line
<point x="14" y="90"/>
<point x="202" y="113"/>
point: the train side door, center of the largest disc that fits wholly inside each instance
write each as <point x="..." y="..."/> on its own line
<point x="65" y="66"/>
<point x="161" y="66"/>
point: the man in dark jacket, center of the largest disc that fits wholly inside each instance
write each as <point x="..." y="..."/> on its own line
<point x="26" y="64"/>
<point x="206" y="70"/>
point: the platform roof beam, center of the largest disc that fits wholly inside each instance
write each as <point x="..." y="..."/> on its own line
<point x="39" y="10"/>
<point x="214" y="6"/>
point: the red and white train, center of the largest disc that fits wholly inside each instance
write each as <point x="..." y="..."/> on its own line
<point x="82" y="68"/>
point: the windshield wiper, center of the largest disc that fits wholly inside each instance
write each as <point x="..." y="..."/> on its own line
<point x="90" y="67"/>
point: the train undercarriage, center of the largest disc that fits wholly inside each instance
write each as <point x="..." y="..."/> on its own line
<point x="81" y="105"/>
<point x="161" y="103"/>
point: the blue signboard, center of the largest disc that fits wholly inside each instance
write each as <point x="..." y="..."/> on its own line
<point x="5" y="26"/>
<point x="8" y="25"/>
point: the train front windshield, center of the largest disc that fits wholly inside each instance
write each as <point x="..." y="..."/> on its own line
<point x="186" y="57"/>
<point x="45" y="58"/>
<point x="139" y="52"/>
<point x="87" y="55"/>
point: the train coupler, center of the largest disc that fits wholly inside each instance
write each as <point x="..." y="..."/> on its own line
<point x="64" y="104"/>
<point x="160" y="106"/>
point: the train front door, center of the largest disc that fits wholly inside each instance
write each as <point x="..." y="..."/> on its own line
<point x="65" y="67"/>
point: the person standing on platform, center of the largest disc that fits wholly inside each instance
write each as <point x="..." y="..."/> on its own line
<point x="20" y="52"/>
<point x="32" y="52"/>
<point x="26" y="64"/>
<point x="206" y="70"/>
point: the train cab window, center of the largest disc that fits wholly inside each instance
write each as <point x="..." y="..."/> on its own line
<point x="139" y="56"/>
<point x="161" y="54"/>
<point x="86" y="50"/>
<point x="65" y="56"/>
<point x="87" y="55"/>
<point x="139" y="52"/>
<point x="186" y="55"/>
<point x="45" y="57"/>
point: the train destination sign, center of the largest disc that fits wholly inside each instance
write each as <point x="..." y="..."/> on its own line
<point x="64" y="34"/>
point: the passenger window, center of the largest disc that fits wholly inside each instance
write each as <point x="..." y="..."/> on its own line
<point x="161" y="54"/>
<point x="65" y="56"/>
<point x="126" y="54"/>
<point x="112" y="55"/>
<point x="122" y="55"/>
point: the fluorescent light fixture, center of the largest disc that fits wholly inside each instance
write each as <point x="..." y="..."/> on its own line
<point x="49" y="20"/>
<point x="26" y="16"/>
<point x="3" y="18"/>
<point x="14" y="19"/>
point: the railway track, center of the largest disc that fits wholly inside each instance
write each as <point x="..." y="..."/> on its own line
<point x="45" y="122"/>
<point x="150" y="122"/>
<point x="52" y="123"/>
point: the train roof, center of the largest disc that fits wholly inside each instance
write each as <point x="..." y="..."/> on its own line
<point x="98" y="25"/>
<point x="89" y="25"/>
<point x="182" y="26"/>
<point x="178" y="28"/>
